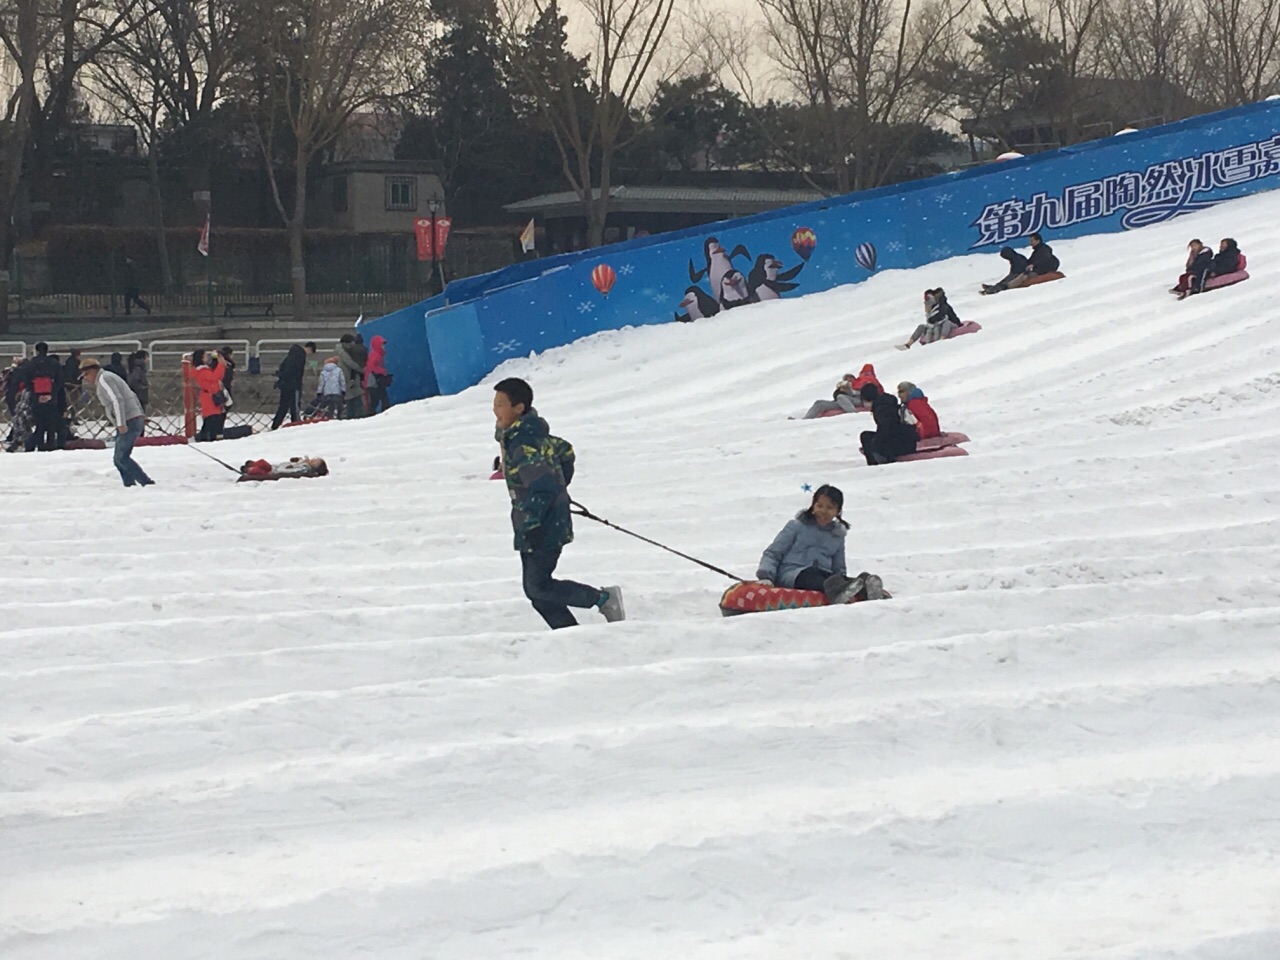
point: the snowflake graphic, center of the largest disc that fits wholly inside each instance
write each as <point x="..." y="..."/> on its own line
<point x="828" y="274"/>
<point x="657" y="296"/>
<point x="586" y="306"/>
<point x="894" y="246"/>
<point x="507" y="346"/>
<point x="626" y="270"/>
<point x="944" y="198"/>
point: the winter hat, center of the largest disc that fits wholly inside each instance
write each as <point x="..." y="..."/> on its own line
<point x="90" y="364"/>
<point x="331" y="360"/>
<point x="906" y="386"/>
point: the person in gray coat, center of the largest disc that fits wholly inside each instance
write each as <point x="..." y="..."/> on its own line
<point x="124" y="410"/>
<point x="810" y="548"/>
<point x="352" y="364"/>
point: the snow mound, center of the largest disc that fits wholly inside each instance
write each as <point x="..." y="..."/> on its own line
<point x="317" y="719"/>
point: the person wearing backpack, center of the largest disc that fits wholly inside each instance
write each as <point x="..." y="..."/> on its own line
<point x="538" y="469"/>
<point x="44" y="380"/>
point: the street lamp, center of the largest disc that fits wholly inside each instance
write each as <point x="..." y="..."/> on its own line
<point x="433" y="205"/>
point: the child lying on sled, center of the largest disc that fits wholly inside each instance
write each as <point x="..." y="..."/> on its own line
<point x="293" y="467"/>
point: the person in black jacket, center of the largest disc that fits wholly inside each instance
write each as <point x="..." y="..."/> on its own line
<point x="289" y="383"/>
<point x="1227" y="260"/>
<point x="892" y="437"/>
<point x="228" y="365"/>
<point x="1017" y="267"/>
<point x="43" y="377"/>
<point x="117" y="366"/>
<point x="71" y="379"/>
<point x="1040" y="262"/>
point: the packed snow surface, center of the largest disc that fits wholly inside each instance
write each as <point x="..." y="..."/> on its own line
<point x="317" y="719"/>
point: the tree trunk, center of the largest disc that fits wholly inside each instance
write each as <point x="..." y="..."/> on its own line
<point x="162" y="245"/>
<point x="598" y="211"/>
<point x="297" y="254"/>
<point x="6" y="243"/>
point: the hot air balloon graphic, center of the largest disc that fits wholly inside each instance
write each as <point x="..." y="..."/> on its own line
<point x="603" y="278"/>
<point x="866" y="256"/>
<point x="803" y="241"/>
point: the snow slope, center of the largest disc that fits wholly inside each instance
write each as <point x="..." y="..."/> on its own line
<point x="318" y="720"/>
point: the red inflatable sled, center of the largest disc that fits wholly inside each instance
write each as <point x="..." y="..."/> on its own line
<point x="159" y="440"/>
<point x="945" y="445"/>
<point x="753" y="597"/>
<point x="841" y="413"/>
<point x="969" y="326"/>
<point x="1227" y="279"/>
<point x="1041" y="278"/>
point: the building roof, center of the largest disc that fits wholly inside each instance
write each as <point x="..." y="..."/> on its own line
<point x="404" y="167"/>
<point x="673" y="199"/>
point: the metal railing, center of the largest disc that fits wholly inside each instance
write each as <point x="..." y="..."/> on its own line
<point x="282" y="346"/>
<point x="186" y="346"/>
<point x="96" y="346"/>
<point x="6" y="344"/>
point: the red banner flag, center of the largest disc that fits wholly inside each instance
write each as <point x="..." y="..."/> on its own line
<point x="431" y="247"/>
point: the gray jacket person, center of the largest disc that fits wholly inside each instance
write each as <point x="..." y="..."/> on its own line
<point x="125" y="412"/>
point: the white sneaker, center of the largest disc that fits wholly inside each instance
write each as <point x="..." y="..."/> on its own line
<point x="612" y="606"/>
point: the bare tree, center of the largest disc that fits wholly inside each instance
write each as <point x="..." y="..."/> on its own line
<point x="132" y="77"/>
<point x="589" y="103"/>
<point x="1243" y="49"/>
<point x="1158" y="47"/>
<point x="318" y="63"/>
<point x="24" y="36"/>
<point x="860" y="67"/>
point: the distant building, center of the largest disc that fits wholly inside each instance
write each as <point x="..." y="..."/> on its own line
<point x="1083" y="109"/>
<point x="640" y="211"/>
<point x="375" y="196"/>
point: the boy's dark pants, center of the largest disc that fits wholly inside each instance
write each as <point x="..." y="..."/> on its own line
<point x="553" y="598"/>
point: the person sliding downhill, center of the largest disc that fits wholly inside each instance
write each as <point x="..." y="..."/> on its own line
<point x="1041" y="262"/>
<point x="808" y="554"/>
<point x="538" y="468"/>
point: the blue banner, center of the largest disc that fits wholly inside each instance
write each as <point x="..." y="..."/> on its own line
<point x="1120" y="183"/>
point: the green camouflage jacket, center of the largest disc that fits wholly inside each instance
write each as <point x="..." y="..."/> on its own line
<point x="537" y="468"/>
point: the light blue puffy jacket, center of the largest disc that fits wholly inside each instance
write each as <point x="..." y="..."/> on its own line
<point x="801" y="544"/>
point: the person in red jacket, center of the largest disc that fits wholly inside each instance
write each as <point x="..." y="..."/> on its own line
<point x="868" y="375"/>
<point x="207" y="371"/>
<point x="914" y="401"/>
<point x="376" y="379"/>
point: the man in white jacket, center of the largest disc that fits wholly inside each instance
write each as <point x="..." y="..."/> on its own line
<point x="125" y="412"/>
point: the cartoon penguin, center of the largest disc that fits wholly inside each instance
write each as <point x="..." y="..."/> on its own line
<point x="697" y="304"/>
<point x="733" y="290"/>
<point x="766" y="283"/>
<point x="718" y="263"/>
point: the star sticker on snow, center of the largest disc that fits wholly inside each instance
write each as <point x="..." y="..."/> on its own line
<point x="626" y="270"/>
<point x="807" y="488"/>
<point x="586" y="306"/>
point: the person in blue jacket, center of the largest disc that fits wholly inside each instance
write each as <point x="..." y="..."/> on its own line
<point x="808" y="554"/>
